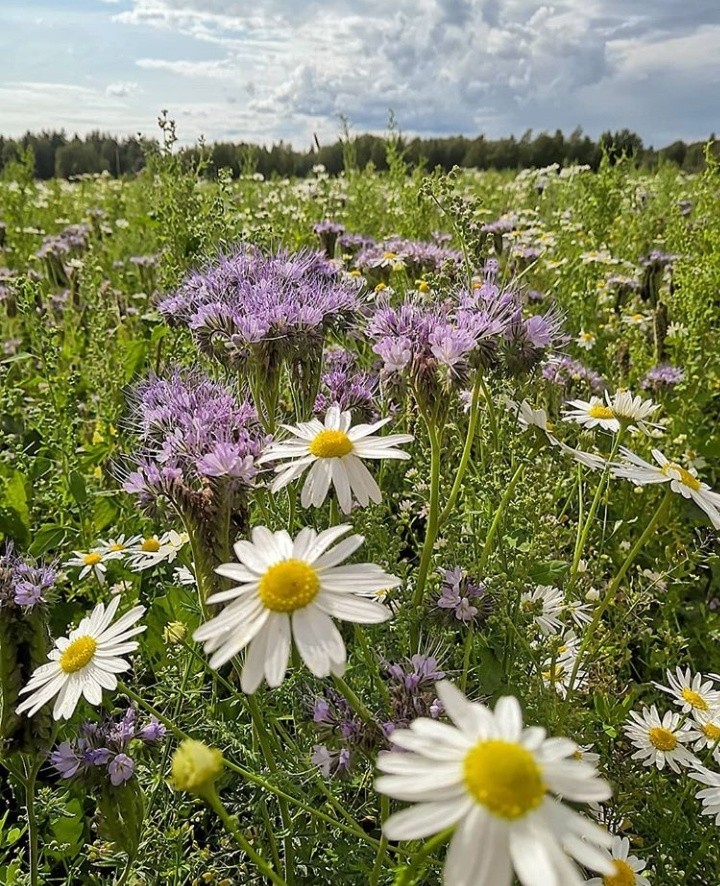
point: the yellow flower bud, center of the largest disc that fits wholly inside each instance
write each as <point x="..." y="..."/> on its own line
<point x="174" y="632"/>
<point x="195" y="766"/>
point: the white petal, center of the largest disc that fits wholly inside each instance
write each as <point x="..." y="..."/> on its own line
<point x="278" y="648"/>
<point x="351" y="608"/>
<point x="317" y="639"/>
<point x="341" y="484"/>
<point x="424" y="819"/>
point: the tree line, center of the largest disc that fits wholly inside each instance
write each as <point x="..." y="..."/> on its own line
<point x="57" y="155"/>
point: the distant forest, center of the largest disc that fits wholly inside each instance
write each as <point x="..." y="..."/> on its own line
<point x="56" y="155"/>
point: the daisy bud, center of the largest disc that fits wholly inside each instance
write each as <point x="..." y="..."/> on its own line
<point x="195" y="766"/>
<point x="174" y="632"/>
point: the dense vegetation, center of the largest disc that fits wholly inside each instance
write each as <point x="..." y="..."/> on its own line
<point x="157" y="332"/>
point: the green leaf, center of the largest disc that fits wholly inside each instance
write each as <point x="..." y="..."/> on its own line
<point x="133" y="357"/>
<point x="48" y="537"/>
<point x="14" y="511"/>
<point x="68" y="830"/>
<point x="78" y="489"/>
<point x="105" y="511"/>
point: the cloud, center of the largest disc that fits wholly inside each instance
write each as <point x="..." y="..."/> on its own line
<point x="221" y="69"/>
<point x="121" y="89"/>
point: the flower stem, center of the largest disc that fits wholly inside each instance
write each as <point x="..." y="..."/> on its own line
<point x="432" y="527"/>
<point x="409" y="876"/>
<point x="382" y="848"/>
<point x="467" y="451"/>
<point x="232" y="828"/>
<point x="610" y="594"/>
<point x="499" y="514"/>
<point x="357" y="704"/>
<point x="31" y="773"/>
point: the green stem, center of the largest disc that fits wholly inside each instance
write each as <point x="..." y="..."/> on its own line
<point x="382" y="848"/>
<point x="31" y="773"/>
<point x="357" y="704"/>
<point x="610" y="596"/>
<point x="418" y="862"/>
<point x="432" y="527"/>
<point x="492" y="418"/>
<point x="371" y="660"/>
<point x="497" y="519"/>
<point x="466" y="657"/>
<point x="250" y="776"/>
<point x="467" y="451"/>
<point x="232" y="828"/>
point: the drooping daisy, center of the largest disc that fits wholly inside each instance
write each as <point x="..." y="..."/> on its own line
<point x="592" y="413"/>
<point x="154" y="550"/>
<point x="683" y="481"/>
<point x="710" y="796"/>
<point x="705" y="732"/>
<point x="545" y="604"/>
<point x="691" y="693"/>
<point x="529" y="418"/>
<point x="85" y="662"/>
<point x="626" y="868"/>
<point x="292" y="588"/>
<point x="660" y="741"/>
<point x="334" y="453"/>
<point x="495" y="779"/>
<point x="92" y="561"/>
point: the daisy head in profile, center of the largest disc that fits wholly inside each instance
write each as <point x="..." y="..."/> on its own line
<point x="500" y="783"/>
<point x="333" y="453"/>
<point x="85" y="662"/>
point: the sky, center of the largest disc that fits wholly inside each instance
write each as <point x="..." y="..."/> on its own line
<point x="265" y="70"/>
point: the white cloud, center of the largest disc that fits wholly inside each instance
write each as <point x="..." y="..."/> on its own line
<point x="122" y="88"/>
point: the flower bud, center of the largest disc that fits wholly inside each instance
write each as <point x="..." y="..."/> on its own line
<point x="195" y="766"/>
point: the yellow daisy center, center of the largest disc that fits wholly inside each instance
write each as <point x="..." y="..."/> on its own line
<point x="662" y="739"/>
<point x="389" y="256"/>
<point x="711" y="731"/>
<point x="116" y="547"/>
<point x="624" y="875"/>
<point x="78" y="654"/>
<point x="686" y="478"/>
<point x="331" y="444"/>
<point x="504" y="777"/>
<point x="694" y="699"/>
<point x="288" y="586"/>
<point x="150" y="545"/>
<point x="600" y="411"/>
<point x="92" y="559"/>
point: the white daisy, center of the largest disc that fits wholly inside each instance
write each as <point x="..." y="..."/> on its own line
<point x="292" y="588"/>
<point x="588" y="459"/>
<point x="334" y="453"/>
<point x="711" y="795"/>
<point x="495" y="780"/>
<point x="691" y="693"/>
<point x="626" y="868"/>
<point x="92" y="561"/>
<point x="528" y="418"/>
<point x="545" y="604"/>
<point x="633" y="411"/>
<point x="586" y="340"/>
<point x="683" y="481"/>
<point x="579" y="612"/>
<point x="85" y="662"/>
<point x="556" y="672"/>
<point x="705" y="732"/>
<point x="118" y="546"/>
<point x="592" y="413"/>
<point x="660" y="741"/>
<point x="154" y="550"/>
<point x="184" y="576"/>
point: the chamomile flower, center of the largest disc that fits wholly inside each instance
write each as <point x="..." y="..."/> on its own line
<point x="529" y="418"/>
<point x="660" y="741"/>
<point x="592" y="413"/>
<point x="586" y="340"/>
<point x="705" y="732"/>
<point x="683" y="481"/>
<point x="710" y="796"/>
<point x="334" y="453"/>
<point x="85" y="662"/>
<point x="626" y="868"/>
<point x="691" y="693"/>
<point x="92" y="561"/>
<point x="500" y="783"/>
<point x="579" y="612"/>
<point x="557" y="670"/>
<point x="633" y="411"/>
<point x="154" y="550"/>
<point x="118" y="546"/>
<point x="292" y="589"/>
<point x="545" y="604"/>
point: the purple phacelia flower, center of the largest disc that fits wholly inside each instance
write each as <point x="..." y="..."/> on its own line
<point x="23" y="583"/>
<point x="662" y="376"/>
<point x="466" y="598"/>
<point x="120" y="769"/>
<point x="152" y="732"/>
<point x="67" y="759"/>
<point x="570" y="374"/>
<point x="342" y="384"/>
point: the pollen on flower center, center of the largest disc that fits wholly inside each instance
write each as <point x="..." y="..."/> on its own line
<point x="694" y="699"/>
<point x="711" y="731"/>
<point x="686" y="478"/>
<point x="597" y="410"/>
<point x="623" y="875"/>
<point x="504" y="777"/>
<point x="288" y="586"/>
<point x="331" y="444"/>
<point x="662" y="738"/>
<point x="150" y="545"/>
<point x="116" y="547"/>
<point x="92" y="559"/>
<point x="78" y="654"/>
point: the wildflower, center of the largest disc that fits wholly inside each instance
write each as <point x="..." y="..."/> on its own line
<point x="545" y="604"/>
<point x="118" y="546"/>
<point x="92" y="561"/>
<point x="467" y="598"/>
<point x="85" y="662"/>
<point x="710" y="796"/>
<point x="195" y="767"/>
<point x="567" y="373"/>
<point x="692" y="694"/>
<point x="622" y="409"/>
<point x="586" y="340"/>
<point x="120" y="769"/>
<point x="342" y="384"/>
<point x="495" y="780"/>
<point x="626" y="868"/>
<point x="412" y="690"/>
<point x="659" y="741"/>
<point x="683" y="481"/>
<point x="174" y="632"/>
<point x="662" y="376"/>
<point x="705" y="731"/>
<point x="293" y="588"/>
<point x="184" y="576"/>
<point x="334" y="453"/>
<point x="328" y="231"/>
<point x="529" y="418"/>
<point x="154" y="550"/>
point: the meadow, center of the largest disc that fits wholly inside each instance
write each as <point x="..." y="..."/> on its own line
<point x="360" y="529"/>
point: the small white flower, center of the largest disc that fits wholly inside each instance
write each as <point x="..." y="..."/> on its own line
<point x="184" y="576"/>
<point x="660" y="741"/>
<point x="633" y="410"/>
<point x="711" y="795"/>
<point x="528" y="418"/>
<point x="627" y="868"/>
<point x="500" y="783"/>
<point x="92" y="561"/>
<point x="592" y="413"/>
<point x="691" y="693"/>
<point x="683" y="481"/>
<point x="334" y="453"/>
<point x="118" y="546"/>
<point x="292" y="589"/>
<point x="85" y="662"/>
<point x="705" y="732"/>
<point x="586" y="340"/>
<point x="579" y="612"/>
<point x="154" y="550"/>
<point x="545" y="604"/>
